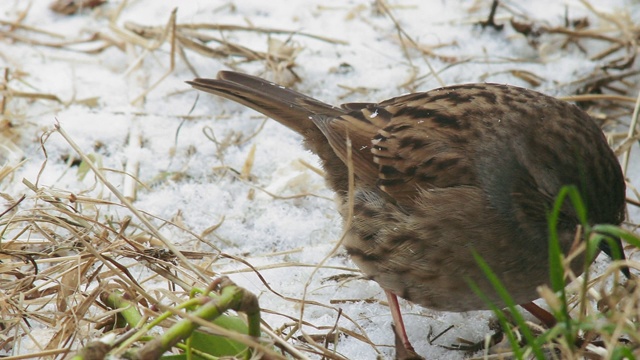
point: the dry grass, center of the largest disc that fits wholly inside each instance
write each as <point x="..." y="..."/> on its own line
<point x="61" y="249"/>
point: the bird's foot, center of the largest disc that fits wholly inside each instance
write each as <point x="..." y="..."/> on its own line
<point x="404" y="349"/>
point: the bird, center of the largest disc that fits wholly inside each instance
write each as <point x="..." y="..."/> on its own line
<point x="441" y="175"/>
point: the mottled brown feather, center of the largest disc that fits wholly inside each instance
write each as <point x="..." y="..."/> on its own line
<point x="443" y="172"/>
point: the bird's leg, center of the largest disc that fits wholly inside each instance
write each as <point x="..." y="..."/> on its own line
<point x="407" y="352"/>
<point x="396" y="315"/>
<point x="541" y="314"/>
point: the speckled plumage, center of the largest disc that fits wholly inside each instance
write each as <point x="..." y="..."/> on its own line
<point x="442" y="172"/>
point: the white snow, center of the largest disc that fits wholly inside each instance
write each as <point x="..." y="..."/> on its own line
<point x="176" y="139"/>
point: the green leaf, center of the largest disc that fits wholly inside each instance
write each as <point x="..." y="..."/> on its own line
<point x="84" y="169"/>
<point x="508" y="300"/>
<point x="215" y="345"/>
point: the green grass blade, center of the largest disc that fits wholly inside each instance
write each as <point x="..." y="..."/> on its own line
<point x="508" y="300"/>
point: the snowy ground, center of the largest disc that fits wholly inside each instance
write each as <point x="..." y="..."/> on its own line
<point x="199" y="183"/>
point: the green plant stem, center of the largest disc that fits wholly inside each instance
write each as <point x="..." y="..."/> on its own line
<point x="231" y="297"/>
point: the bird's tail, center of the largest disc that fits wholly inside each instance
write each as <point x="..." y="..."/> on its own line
<point x="284" y="105"/>
<point x="296" y="111"/>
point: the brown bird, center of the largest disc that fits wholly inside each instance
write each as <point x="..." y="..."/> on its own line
<point x="438" y="174"/>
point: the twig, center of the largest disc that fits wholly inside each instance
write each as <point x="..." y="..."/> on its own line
<point x="130" y="206"/>
<point x="221" y="27"/>
<point x="631" y="133"/>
